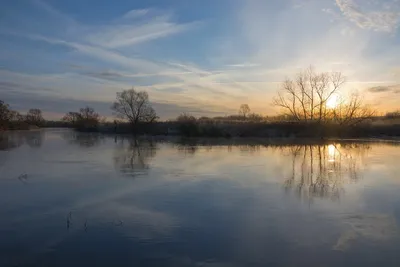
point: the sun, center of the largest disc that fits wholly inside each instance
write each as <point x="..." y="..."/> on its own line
<point x="332" y="101"/>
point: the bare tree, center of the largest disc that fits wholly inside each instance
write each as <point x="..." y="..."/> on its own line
<point x="86" y="118"/>
<point x="244" y="110"/>
<point x="88" y="114"/>
<point x="351" y="110"/>
<point x="35" y="117"/>
<point x="71" y="117"/>
<point x="305" y="97"/>
<point x="134" y="106"/>
<point x="5" y="112"/>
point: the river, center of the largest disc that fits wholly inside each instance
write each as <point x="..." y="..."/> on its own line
<point x="70" y="199"/>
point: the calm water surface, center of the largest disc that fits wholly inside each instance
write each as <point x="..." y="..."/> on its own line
<point x="70" y="199"/>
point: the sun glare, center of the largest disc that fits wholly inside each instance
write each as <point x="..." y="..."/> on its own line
<point x="332" y="102"/>
<point x="331" y="153"/>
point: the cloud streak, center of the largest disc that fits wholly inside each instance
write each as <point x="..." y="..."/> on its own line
<point x="385" y="21"/>
<point x="144" y="28"/>
<point x="384" y="89"/>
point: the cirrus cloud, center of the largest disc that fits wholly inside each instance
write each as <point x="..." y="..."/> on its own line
<point x="382" y="20"/>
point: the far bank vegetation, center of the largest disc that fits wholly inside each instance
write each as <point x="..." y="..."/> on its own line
<point x="311" y="104"/>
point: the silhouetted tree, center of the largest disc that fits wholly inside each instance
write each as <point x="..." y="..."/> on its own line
<point x="305" y="99"/>
<point x="35" y="117"/>
<point x="244" y="110"/>
<point x="86" y="119"/>
<point x="352" y="111"/>
<point x="134" y="106"/>
<point x="393" y="114"/>
<point x="5" y="115"/>
<point x="88" y="114"/>
<point x="71" y="117"/>
<point x="187" y="125"/>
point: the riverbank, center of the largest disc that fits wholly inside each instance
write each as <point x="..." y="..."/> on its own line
<point x="255" y="129"/>
<point x="212" y="129"/>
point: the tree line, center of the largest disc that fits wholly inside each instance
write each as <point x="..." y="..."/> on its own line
<point x="12" y="119"/>
<point x="309" y="97"/>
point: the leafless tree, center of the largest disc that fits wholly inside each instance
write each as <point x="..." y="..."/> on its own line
<point x="85" y="118"/>
<point x="134" y="106"/>
<point x="244" y="110"/>
<point x="351" y="110"/>
<point x="305" y="97"/>
<point x="5" y="112"/>
<point x="71" y="117"/>
<point x="35" y="117"/>
<point x="88" y="113"/>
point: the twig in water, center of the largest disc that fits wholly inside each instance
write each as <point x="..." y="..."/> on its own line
<point x="119" y="223"/>
<point x="23" y="178"/>
<point x="69" y="220"/>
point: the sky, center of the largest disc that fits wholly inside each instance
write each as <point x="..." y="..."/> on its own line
<point x="201" y="57"/>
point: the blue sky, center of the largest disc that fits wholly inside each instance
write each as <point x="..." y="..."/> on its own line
<point x="202" y="57"/>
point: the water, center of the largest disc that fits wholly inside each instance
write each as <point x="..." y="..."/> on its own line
<point x="70" y="199"/>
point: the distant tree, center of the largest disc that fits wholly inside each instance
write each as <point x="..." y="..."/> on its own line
<point x="35" y="117"/>
<point x="5" y="113"/>
<point x="204" y="119"/>
<point x="16" y="116"/>
<point x="134" y="106"/>
<point x="255" y="117"/>
<point x="185" y="117"/>
<point x="187" y="125"/>
<point x="85" y="119"/>
<point x="393" y="114"/>
<point x="71" y="117"/>
<point x="244" y="110"/>
<point x="88" y="114"/>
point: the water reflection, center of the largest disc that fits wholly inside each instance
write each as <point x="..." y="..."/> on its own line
<point x="83" y="139"/>
<point x="35" y="138"/>
<point x="12" y="140"/>
<point x="323" y="170"/>
<point x="189" y="146"/>
<point x="9" y="141"/>
<point x="204" y="203"/>
<point x="132" y="156"/>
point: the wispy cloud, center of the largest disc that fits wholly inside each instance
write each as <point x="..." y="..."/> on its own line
<point x="135" y="13"/>
<point x="378" y="20"/>
<point x="384" y="89"/>
<point x="243" y="65"/>
<point x="144" y="28"/>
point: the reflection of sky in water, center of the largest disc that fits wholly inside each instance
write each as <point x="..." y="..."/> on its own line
<point x="196" y="204"/>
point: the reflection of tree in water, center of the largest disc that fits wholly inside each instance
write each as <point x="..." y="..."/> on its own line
<point x="132" y="156"/>
<point x="83" y="139"/>
<point x="323" y="170"/>
<point x="189" y="146"/>
<point x="34" y="138"/>
<point x="10" y="141"/>
<point x="251" y="148"/>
